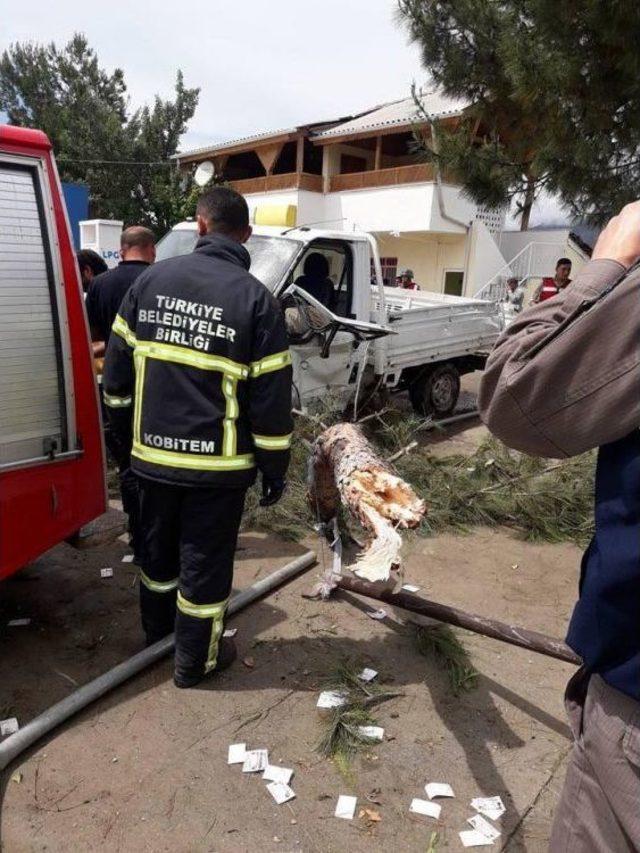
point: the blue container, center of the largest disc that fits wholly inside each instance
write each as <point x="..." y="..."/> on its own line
<point x="76" y="197"/>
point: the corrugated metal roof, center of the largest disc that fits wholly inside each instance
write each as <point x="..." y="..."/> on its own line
<point x="243" y="140"/>
<point x="399" y="113"/>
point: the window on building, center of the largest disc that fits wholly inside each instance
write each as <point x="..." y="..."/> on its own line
<point x="389" y="271"/>
<point x="32" y="414"/>
<point x="453" y="282"/>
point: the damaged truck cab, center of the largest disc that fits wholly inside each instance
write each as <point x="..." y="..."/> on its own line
<point x="348" y="332"/>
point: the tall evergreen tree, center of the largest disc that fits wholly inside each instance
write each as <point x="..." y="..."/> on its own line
<point x="554" y="94"/>
<point x="122" y="155"/>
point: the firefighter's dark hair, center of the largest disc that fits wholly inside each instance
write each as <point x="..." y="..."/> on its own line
<point x="224" y="210"/>
<point x="91" y="259"/>
<point x="561" y="262"/>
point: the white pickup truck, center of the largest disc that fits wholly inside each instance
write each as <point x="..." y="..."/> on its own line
<point x="374" y="337"/>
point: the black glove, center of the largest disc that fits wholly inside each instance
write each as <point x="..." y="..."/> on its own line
<point x="272" y="490"/>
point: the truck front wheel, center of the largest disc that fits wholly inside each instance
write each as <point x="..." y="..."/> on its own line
<point x="436" y="392"/>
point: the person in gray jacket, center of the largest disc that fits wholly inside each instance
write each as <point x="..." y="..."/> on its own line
<point x="564" y="379"/>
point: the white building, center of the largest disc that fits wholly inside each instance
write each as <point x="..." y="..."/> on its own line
<point x="363" y="172"/>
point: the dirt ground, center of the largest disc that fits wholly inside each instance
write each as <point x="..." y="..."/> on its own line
<point x="145" y="769"/>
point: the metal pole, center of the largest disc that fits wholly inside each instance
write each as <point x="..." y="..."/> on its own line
<point x="79" y="699"/>
<point x="532" y="640"/>
<point x="452" y="420"/>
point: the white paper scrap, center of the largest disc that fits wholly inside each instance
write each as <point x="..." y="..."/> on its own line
<point x="106" y="573"/>
<point x="367" y="674"/>
<point x="424" y="807"/>
<point x="483" y="826"/>
<point x="491" y="807"/>
<point x="237" y="753"/>
<point x="332" y="699"/>
<point x="473" y="838"/>
<point x="230" y="632"/>
<point x="372" y="732"/>
<point x="377" y="614"/>
<point x="273" y="773"/>
<point x="346" y="807"/>
<point x="19" y="623"/>
<point x="438" y="789"/>
<point x="255" y="761"/>
<point x="280" y="792"/>
<point x="128" y="558"/>
<point x="9" y="727"/>
<point x="410" y="587"/>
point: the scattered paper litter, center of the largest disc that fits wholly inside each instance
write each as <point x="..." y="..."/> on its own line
<point x="106" y="573"/>
<point x="9" y="726"/>
<point x="373" y="732"/>
<point x="346" y="807"/>
<point x="273" y="773"/>
<point x="280" y="792"/>
<point x="473" y="838"/>
<point x="128" y="558"/>
<point x="237" y="753"/>
<point x="17" y="777"/>
<point x="367" y="674"/>
<point x="438" y="789"/>
<point x="332" y="699"/>
<point x="425" y="807"/>
<point x="230" y="632"/>
<point x="18" y="623"/>
<point x="410" y="587"/>
<point x="491" y="807"/>
<point x="483" y="826"/>
<point x="255" y="761"/>
<point x="377" y="614"/>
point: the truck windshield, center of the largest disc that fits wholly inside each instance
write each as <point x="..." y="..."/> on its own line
<point x="271" y="257"/>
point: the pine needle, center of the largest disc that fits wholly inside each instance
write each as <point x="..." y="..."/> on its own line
<point x="342" y="737"/>
<point x="442" y="643"/>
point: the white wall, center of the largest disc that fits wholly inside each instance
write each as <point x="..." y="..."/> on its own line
<point x="428" y="255"/>
<point x="485" y="258"/>
<point x="407" y="208"/>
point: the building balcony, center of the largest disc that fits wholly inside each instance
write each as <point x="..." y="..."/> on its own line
<point x="278" y="183"/>
<point x="414" y="174"/>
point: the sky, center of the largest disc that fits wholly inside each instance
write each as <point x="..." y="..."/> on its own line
<point x="260" y="64"/>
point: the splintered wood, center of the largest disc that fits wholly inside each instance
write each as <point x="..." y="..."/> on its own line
<point x="345" y="469"/>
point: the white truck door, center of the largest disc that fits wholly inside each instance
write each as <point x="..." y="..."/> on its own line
<point x="330" y="279"/>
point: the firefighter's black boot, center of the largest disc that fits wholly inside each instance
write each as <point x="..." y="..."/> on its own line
<point x="227" y="653"/>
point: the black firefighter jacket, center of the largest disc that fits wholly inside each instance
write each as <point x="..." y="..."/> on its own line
<point x="198" y="373"/>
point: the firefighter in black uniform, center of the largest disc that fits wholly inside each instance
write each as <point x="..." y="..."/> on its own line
<point x="201" y="375"/>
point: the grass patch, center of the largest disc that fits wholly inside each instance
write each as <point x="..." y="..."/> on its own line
<point x="443" y="644"/>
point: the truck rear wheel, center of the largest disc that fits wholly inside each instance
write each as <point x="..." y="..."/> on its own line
<point x="436" y="392"/>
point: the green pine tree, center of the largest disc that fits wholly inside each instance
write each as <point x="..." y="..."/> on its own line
<point x="554" y="94"/>
<point x="122" y="155"/>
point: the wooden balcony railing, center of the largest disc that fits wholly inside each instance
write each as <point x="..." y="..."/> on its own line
<point x="273" y="183"/>
<point x="420" y="172"/>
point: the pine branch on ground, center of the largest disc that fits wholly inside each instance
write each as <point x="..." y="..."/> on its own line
<point x="441" y="642"/>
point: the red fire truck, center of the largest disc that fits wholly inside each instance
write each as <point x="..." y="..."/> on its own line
<point x="51" y="453"/>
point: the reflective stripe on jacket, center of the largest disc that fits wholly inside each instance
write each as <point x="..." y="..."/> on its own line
<point x="198" y="372"/>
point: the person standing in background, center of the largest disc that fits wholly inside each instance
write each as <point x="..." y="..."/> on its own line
<point x="550" y="287"/>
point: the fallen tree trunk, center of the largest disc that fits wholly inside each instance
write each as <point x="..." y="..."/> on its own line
<point x="344" y="468"/>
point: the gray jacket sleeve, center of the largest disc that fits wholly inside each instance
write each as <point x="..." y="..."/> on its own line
<point x="565" y="376"/>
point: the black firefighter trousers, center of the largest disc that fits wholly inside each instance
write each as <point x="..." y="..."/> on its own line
<point x="189" y="538"/>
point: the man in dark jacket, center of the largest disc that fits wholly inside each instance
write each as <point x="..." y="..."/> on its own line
<point x="106" y="292"/>
<point x="563" y="379"/>
<point x="198" y="378"/>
